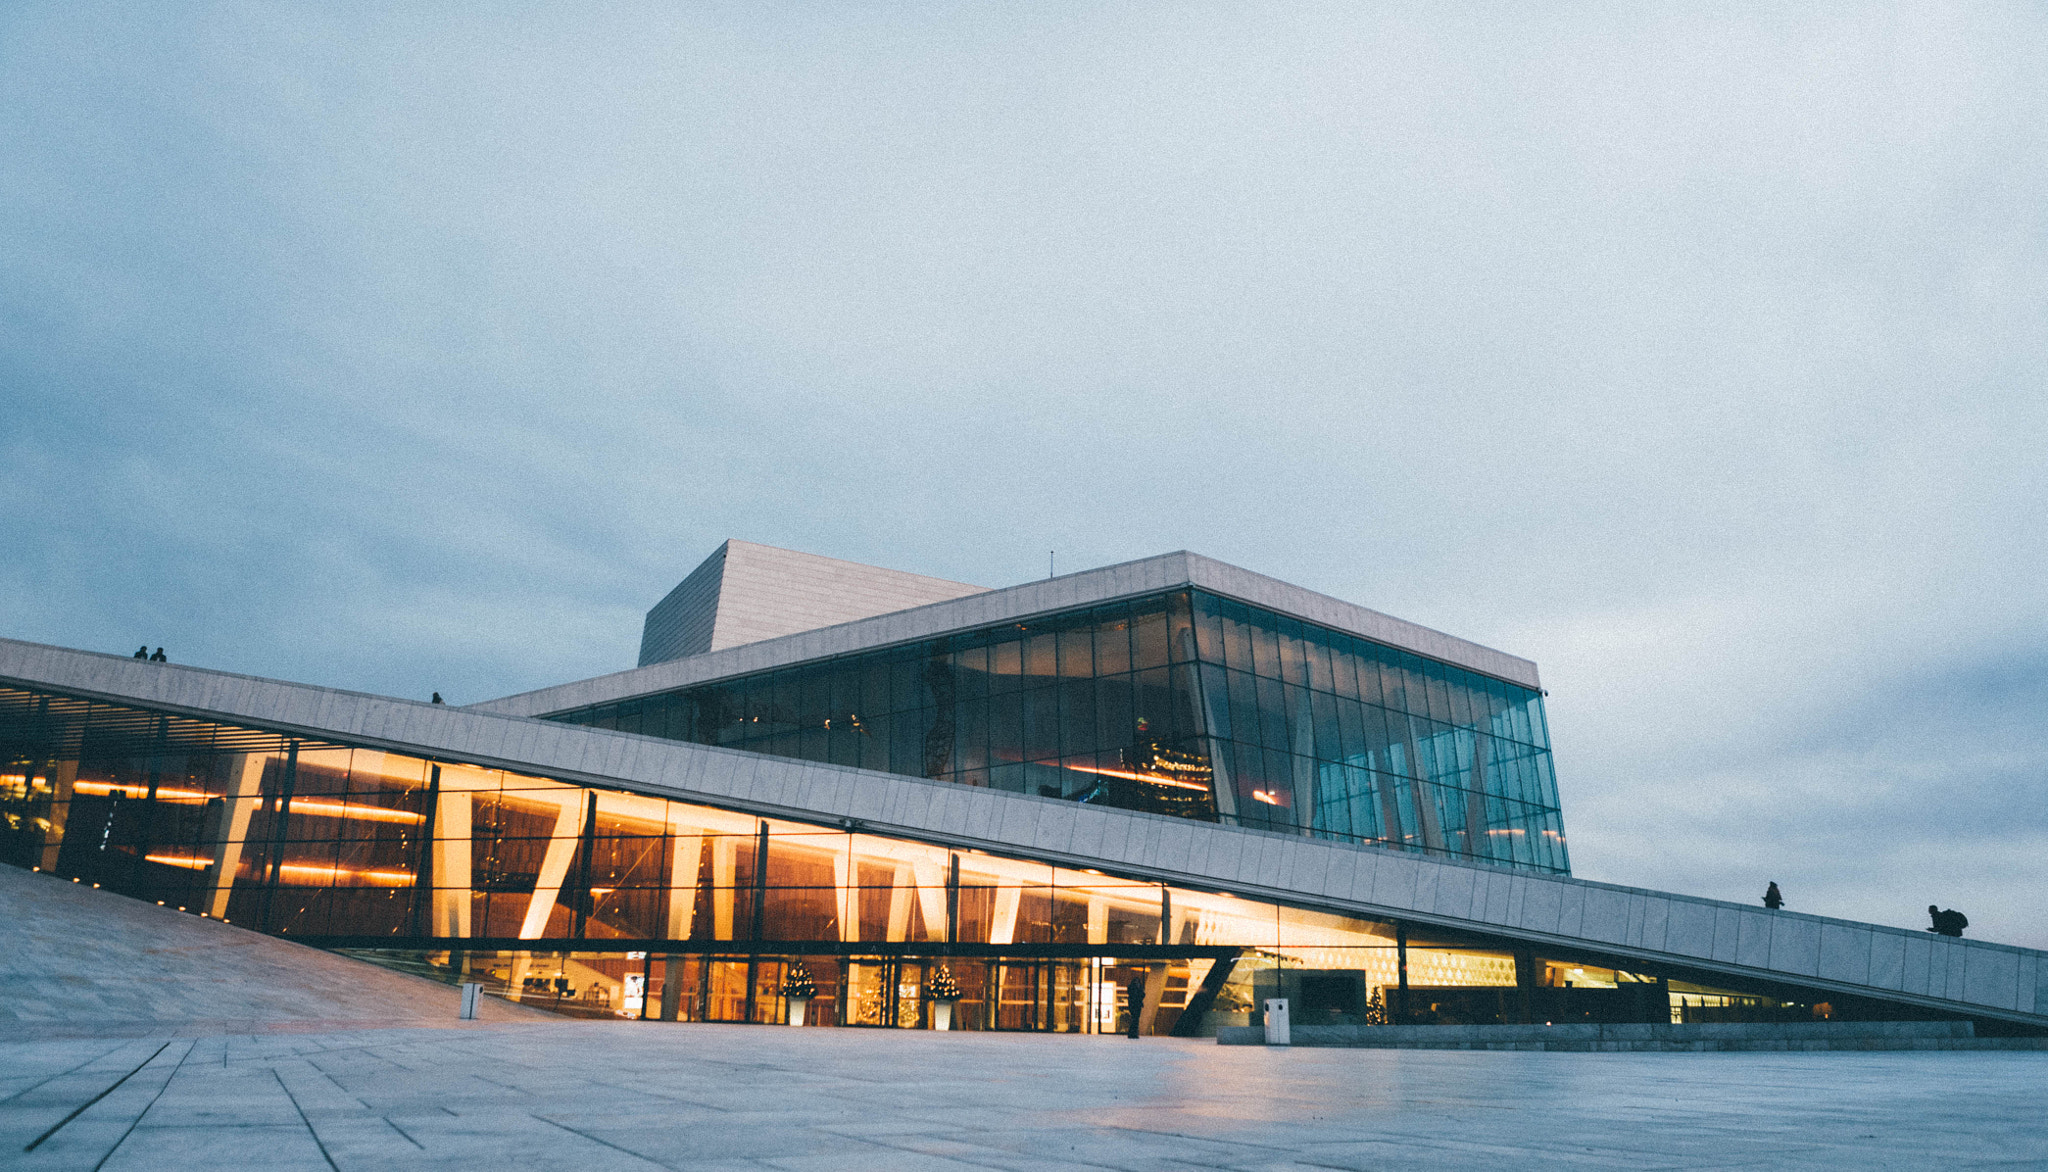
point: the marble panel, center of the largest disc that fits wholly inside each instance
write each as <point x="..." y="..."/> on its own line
<point x="1394" y="883"/>
<point x="1795" y="944"/>
<point x="1454" y="887"/>
<point x="1571" y="908"/>
<point x="1845" y="953"/>
<point x="1492" y="906"/>
<point x="1311" y="867"/>
<point x="1541" y="899"/>
<point x="1605" y="917"/>
<point x="1727" y="933"/>
<point x="1087" y="839"/>
<point x="1216" y="856"/>
<point x="1426" y="880"/>
<point x="1020" y="823"/>
<point x="1656" y="922"/>
<point x="1055" y="829"/>
<point x="1753" y="939"/>
<point x="1887" y="959"/>
<point x="1992" y="977"/>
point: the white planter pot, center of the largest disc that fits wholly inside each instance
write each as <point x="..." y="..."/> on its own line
<point x="797" y="1006"/>
<point x="942" y="1015"/>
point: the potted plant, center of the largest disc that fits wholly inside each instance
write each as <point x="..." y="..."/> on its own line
<point x="798" y="989"/>
<point x="943" y="992"/>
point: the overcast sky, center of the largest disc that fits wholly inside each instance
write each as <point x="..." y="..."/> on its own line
<point x="1697" y="357"/>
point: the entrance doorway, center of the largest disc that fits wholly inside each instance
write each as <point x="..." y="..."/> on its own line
<point x="1046" y="996"/>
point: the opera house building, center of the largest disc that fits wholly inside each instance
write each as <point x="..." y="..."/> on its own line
<point x="1148" y="795"/>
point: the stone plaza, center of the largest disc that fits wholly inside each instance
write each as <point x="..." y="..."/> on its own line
<point x="630" y="1096"/>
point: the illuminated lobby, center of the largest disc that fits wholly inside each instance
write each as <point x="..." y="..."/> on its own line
<point x="1145" y="797"/>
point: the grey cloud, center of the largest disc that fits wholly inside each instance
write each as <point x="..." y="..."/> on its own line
<point x="1695" y="355"/>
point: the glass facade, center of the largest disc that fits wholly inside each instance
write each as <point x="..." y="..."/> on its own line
<point x="1184" y="703"/>
<point x="606" y="903"/>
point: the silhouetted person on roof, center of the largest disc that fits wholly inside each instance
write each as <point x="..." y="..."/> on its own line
<point x="159" y="657"/>
<point x="1947" y="923"/>
<point x="142" y="652"/>
<point x="1772" y="899"/>
<point x="437" y="698"/>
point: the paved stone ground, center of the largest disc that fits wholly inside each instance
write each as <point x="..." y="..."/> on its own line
<point x="75" y="961"/>
<point x="643" y="1096"/>
<point x="136" y="1038"/>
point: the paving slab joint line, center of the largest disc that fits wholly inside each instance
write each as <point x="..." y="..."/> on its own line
<point x="80" y="1109"/>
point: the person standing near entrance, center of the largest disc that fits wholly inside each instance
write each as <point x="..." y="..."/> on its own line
<point x="1135" y="999"/>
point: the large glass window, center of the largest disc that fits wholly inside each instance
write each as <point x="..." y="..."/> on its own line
<point x="1185" y="703"/>
<point x="600" y="902"/>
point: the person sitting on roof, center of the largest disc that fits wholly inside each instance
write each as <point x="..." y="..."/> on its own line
<point x="158" y="657"/>
<point x="1947" y="923"/>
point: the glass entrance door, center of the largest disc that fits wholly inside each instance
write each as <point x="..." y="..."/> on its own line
<point x="885" y="992"/>
<point x="1052" y="996"/>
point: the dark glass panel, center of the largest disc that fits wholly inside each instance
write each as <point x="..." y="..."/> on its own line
<point x="1112" y="640"/>
<point x="1209" y="628"/>
<point x="1006" y="666"/>
<point x="1077" y="652"/>
<point x="1148" y="635"/>
<point x="1319" y="655"/>
<point x="1237" y="635"/>
<point x="1293" y="657"/>
<point x="1041" y="657"/>
<point x="1272" y="710"/>
<point x="1180" y="628"/>
<point x="906" y="682"/>
<point x="1078" y="733"/>
<point x="1265" y="646"/>
<point x="1323" y="712"/>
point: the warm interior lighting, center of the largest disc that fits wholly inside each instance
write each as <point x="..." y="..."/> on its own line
<point x="163" y="793"/>
<point x="312" y="873"/>
<point x="366" y="813"/>
<point x="1144" y="777"/>
<point x="1504" y="832"/>
<point x="1259" y="795"/>
<point x="186" y="861"/>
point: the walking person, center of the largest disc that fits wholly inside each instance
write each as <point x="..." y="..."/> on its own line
<point x="1772" y="899"/>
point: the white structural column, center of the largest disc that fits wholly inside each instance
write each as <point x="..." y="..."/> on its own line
<point x="245" y="788"/>
<point x="686" y="855"/>
<point x="845" y="871"/>
<point x="900" y="884"/>
<point x="724" y="863"/>
<point x="931" y="897"/>
<point x="453" y="862"/>
<point x="1004" y="929"/>
<point x="554" y="866"/>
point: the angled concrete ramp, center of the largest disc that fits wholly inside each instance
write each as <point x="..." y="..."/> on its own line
<point x="79" y="962"/>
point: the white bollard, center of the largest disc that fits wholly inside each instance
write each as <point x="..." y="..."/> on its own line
<point x="1276" y="1022"/>
<point x="798" y="1007"/>
<point x="472" y="993"/>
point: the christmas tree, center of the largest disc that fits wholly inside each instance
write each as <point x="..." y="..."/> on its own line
<point x="797" y="982"/>
<point x="942" y="986"/>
